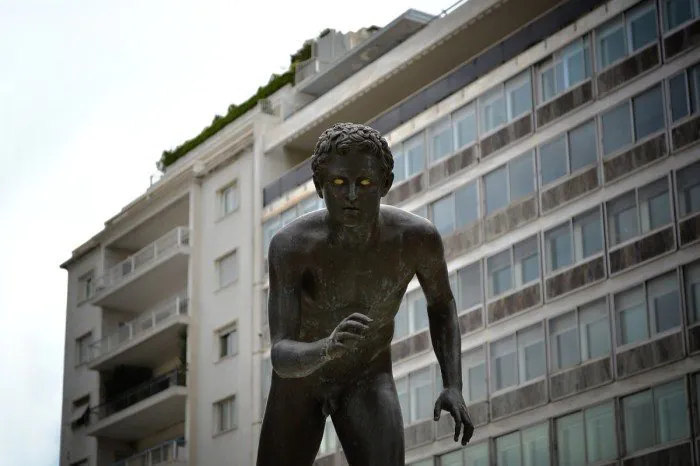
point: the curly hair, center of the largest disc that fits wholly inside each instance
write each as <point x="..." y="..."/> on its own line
<point x="348" y="138"/>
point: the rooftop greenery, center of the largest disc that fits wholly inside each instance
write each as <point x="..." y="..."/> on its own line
<point x="275" y="83"/>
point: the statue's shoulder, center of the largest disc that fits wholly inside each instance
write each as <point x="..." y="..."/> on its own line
<point x="299" y="235"/>
<point x="406" y="222"/>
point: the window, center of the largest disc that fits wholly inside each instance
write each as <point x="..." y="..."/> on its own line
<point x="228" y="199"/>
<point x="228" y="341"/>
<point x="579" y="335"/>
<point x="632" y="121"/>
<point x="684" y="93"/>
<point x="518" y="178"/>
<point x="456" y="210"/>
<point x="587" y="436"/>
<point x="474" y="375"/>
<point x="528" y="447"/>
<point x="678" y="12"/>
<point x="402" y="392"/>
<point x="513" y="268"/>
<point x="468" y="291"/>
<point x="574" y="241"/>
<point x="412" y="316"/>
<point x="309" y="204"/>
<point x="464" y="124"/>
<point x="691" y="273"/>
<point x="421" y="394"/>
<point x="82" y="348"/>
<point x="328" y="441"/>
<point x="505" y="102"/>
<point x="225" y="415"/>
<point x="568" y="153"/>
<point x="227" y="268"/>
<point x="80" y="413"/>
<point x="626" y="34"/>
<point x="655" y="416"/>
<point x="441" y="140"/>
<point x="648" y="309"/>
<point x="639" y="211"/>
<point x="688" y="185"/>
<point x="565" y="69"/>
<point x="86" y="286"/>
<point x="270" y="227"/>
<point x="410" y="159"/>
<point x="471" y="455"/>
<point x="518" y="358"/>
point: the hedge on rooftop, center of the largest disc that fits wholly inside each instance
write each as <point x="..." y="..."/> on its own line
<point x="275" y="83"/>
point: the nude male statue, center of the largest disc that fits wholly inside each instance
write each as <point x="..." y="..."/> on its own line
<point x="337" y="277"/>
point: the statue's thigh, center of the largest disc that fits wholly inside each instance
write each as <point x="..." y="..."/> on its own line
<point x="369" y="424"/>
<point x="292" y="427"/>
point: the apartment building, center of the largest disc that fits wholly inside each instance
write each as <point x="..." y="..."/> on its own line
<point x="554" y="146"/>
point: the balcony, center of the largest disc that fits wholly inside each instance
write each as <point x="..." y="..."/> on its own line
<point x="162" y="265"/>
<point x="142" y="411"/>
<point x="147" y="341"/>
<point x="173" y="452"/>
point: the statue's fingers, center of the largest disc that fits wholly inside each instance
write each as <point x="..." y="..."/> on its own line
<point x="437" y="410"/>
<point x="353" y="325"/>
<point x="342" y="336"/>
<point x="360" y="317"/>
<point x="468" y="426"/>
<point x="458" y="422"/>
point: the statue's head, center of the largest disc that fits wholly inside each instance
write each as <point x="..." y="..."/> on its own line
<point x="352" y="170"/>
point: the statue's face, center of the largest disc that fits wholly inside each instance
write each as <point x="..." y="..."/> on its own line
<point x="352" y="186"/>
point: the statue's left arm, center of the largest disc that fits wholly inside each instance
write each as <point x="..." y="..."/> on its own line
<point x="431" y="271"/>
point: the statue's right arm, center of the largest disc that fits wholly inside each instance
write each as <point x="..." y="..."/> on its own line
<point x="290" y="358"/>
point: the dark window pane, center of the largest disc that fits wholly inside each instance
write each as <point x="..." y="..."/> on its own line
<point x="617" y="128"/>
<point x="522" y="177"/>
<point x="643" y="29"/>
<point x="553" y="163"/>
<point x="583" y="146"/>
<point x="648" y="113"/>
<point x="496" y="195"/>
<point x="677" y="12"/>
<point x="467" y="205"/>
<point x="679" y="97"/>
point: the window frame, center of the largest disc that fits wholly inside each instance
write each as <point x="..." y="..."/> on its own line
<point x="458" y="115"/>
<point x="412" y="141"/>
<point x="515" y="287"/>
<point x="83" y="345"/>
<point x="501" y="90"/>
<point x="663" y="17"/>
<point x="585" y="413"/>
<point x="452" y="198"/>
<point x="545" y="424"/>
<point x="440" y="126"/>
<point x="567" y="155"/>
<point x="510" y="201"/>
<point x="570" y="226"/>
<point x="221" y="195"/>
<point x="479" y="263"/>
<point x="86" y="286"/>
<point x="557" y="57"/>
<point x="687" y="269"/>
<point x="219" y="261"/>
<point x="466" y="362"/>
<point x="610" y="231"/>
<point x="218" y="428"/>
<point x="519" y="382"/>
<point x="233" y="345"/>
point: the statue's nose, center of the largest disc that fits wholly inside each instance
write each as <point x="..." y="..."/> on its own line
<point x="352" y="193"/>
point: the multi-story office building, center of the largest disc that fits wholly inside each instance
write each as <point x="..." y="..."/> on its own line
<point x="554" y="146"/>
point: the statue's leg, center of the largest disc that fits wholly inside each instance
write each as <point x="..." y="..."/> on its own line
<point x="292" y="427"/>
<point x="369" y="424"/>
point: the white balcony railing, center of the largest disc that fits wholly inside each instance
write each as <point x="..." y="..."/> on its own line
<point x="168" y="452"/>
<point x="177" y="305"/>
<point x="172" y="240"/>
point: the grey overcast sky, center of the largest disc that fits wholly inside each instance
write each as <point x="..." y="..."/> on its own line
<point x="91" y="93"/>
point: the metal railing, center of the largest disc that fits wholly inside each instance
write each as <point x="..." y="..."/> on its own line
<point x="167" y="452"/>
<point x="175" y="306"/>
<point x="141" y="392"/>
<point x="180" y="236"/>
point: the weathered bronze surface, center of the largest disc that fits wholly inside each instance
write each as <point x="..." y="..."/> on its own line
<point x="337" y="277"/>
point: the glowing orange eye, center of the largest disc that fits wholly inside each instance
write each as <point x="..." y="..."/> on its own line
<point x="365" y="182"/>
<point x="338" y="181"/>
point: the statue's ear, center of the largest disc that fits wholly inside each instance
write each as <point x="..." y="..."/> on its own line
<point x="318" y="186"/>
<point x="387" y="184"/>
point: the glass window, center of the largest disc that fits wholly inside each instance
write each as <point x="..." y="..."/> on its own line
<point x="641" y="24"/>
<point x="574" y="241"/>
<point x="571" y="440"/>
<point x="401" y="321"/>
<point x="289" y="215"/>
<point x="225" y="415"/>
<point x="504" y="369"/>
<point x="617" y="128"/>
<point x="469" y="286"/>
<point x="656" y="416"/>
<point x="531" y="353"/>
<point x="399" y="166"/>
<point x="228" y="342"/>
<point x="514" y="267"/>
<point x="442" y="214"/>
<point x="594" y="328"/>
<point x="421" y="394"/>
<point x="477" y="455"/>
<point x="601" y="438"/>
<point x="677" y="12"/>
<point x="492" y="107"/>
<point x="553" y="160"/>
<point x="622" y="218"/>
<point x="611" y="43"/>
<point x="519" y="93"/>
<point x="559" y="247"/>
<point x="688" y="185"/>
<point x="309" y="204"/>
<point x="579" y="335"/>
<point x="83" y="348"/>
<point x="626" y="34"/>
<point x="421" y="211"/>
<point x="499" y="272"/>
<point x="418" y="310"/>
<point x="568" y="153"/>
<point x="464" y="123"/>
<point x="228" y="199"/>
<point x="684" y="93"/>
<point x="648" y="108"/>
<point x="402" y="392"/>
<point x="664" y="301"/>
<point x="508" y="450"/>
<point x="467" y="204"/>
<point x="536" y="445"/>
<point x="227" y="267"/>
<point x="474" y="375"/>
<point x="565" y="69"/>
<point x="455" y="458"/>
<point x="441" y="140"/>
<point x="521" y="177"/>
<point x="495" y="194"/>
<point x="691" y="273"/>
<point x="564" y="341"/>
<point x="632" y="316"/>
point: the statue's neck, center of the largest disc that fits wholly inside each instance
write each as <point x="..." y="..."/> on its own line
<point x="355" y="236"/>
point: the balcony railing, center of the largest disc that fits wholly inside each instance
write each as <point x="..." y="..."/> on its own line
<point x="175" y="306"/>
<point x="152" y="387"/>
<point x="180" y="236"/>
<point x="170" y="451"/>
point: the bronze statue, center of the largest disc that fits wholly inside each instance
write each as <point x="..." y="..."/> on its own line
<point x="337" y="277"/>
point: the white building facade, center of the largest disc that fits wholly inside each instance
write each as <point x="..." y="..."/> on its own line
<point x="554" y="146"/>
